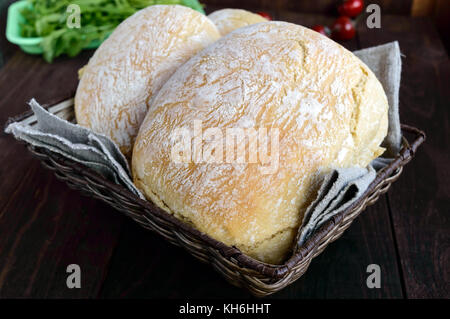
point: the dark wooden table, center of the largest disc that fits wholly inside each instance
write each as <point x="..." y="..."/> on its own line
<point x="45" y="226"/>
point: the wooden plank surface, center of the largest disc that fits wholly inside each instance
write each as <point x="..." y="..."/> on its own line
<point x="7" y="49"/>
<point x="45" y="226"/>
<point x="420" y="200"/>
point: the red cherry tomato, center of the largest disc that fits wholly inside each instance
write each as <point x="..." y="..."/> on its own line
<point x="265" y="15"/>
<point x="351" y="8"/>
<point x="343" y="29"/>
<point x="321" y="29"/>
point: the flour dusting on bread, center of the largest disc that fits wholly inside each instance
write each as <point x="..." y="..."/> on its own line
<point x="129" y="68"/>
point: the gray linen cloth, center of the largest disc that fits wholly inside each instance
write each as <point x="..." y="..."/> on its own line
<point x="340" y="188"/>
<point x="77" y="143"/>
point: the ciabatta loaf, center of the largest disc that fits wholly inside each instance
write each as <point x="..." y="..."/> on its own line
<point x="129" y="68"/>
<point x="316" y="104"/>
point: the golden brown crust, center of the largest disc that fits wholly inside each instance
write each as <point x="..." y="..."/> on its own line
<point x="328" y="107"/>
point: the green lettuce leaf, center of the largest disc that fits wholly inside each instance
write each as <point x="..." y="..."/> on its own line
<point x="47" y="19"/>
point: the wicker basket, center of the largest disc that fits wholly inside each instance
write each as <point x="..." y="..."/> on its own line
<point x="259" y="278"/>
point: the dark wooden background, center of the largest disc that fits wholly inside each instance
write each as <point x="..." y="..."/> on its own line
<point x="308" y="6"/>
<point x="45" y="226"/>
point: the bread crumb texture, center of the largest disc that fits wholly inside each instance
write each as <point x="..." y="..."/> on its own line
<point x="329" y="108"/>
<point x="228" y="20"/>
<point x="129" y="68"/>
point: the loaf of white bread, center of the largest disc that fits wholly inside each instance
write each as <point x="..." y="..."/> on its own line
<point x="327" y="106"/>
<point x="228" y="20"/>
<point x="129" y="68"/>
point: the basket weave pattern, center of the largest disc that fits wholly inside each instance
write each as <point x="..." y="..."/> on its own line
<point x="259" y="278"/>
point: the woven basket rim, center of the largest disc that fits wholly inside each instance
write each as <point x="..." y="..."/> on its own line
<point x="230" y="252"/>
